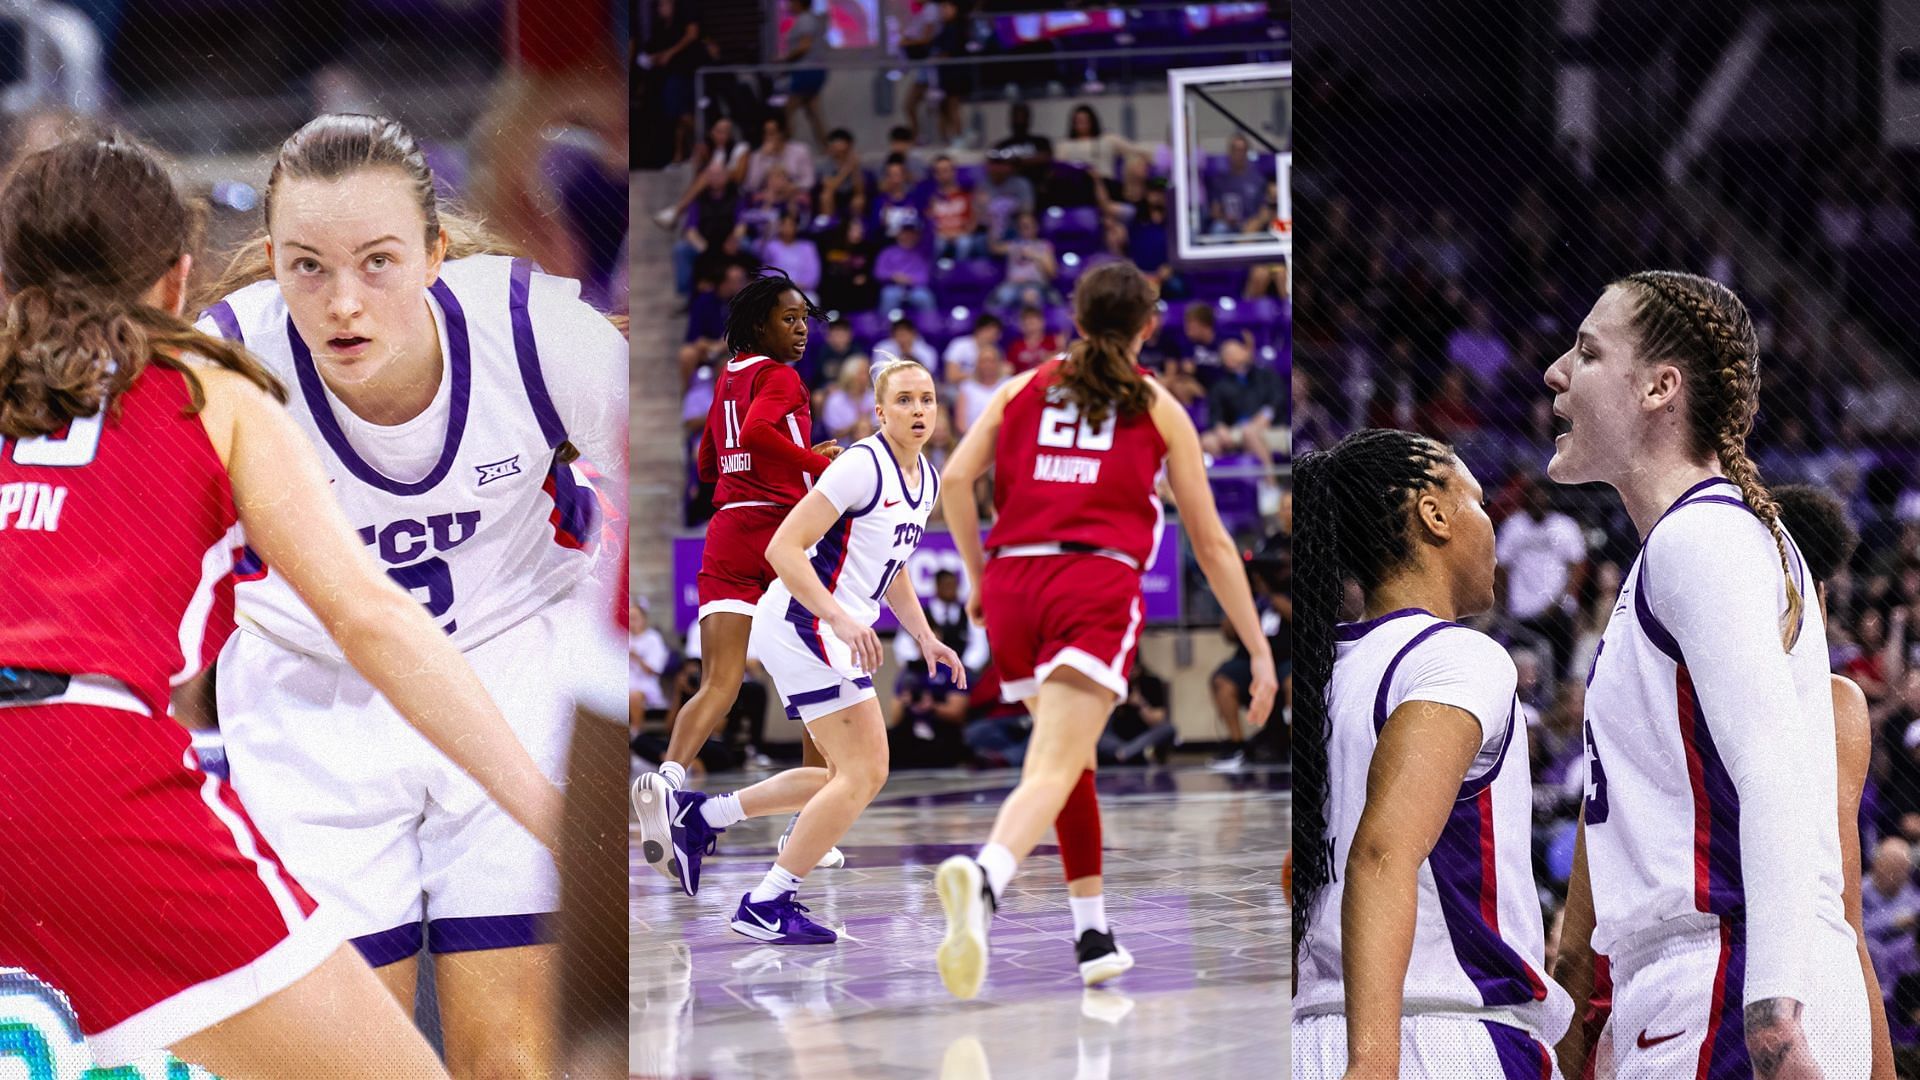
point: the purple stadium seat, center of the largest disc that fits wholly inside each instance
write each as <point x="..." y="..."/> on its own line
<point x="966" y="283"/>
<point x="932" y="326"/>
<point x="868" y="327"/>
<point x="1072" y="229"/>
<point x="968" y="175"/>
<point x="1237" y="499"/>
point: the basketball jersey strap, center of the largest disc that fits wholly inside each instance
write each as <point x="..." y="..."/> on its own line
<point x="527" y="351"/>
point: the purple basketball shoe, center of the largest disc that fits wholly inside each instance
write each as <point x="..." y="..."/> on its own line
<point x="692" y="836"/>
<point x="779" y="921"/>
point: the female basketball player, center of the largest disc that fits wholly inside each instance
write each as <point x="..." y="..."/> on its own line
<point x="1078" y="443"/>
<point x="448" y="398"/>
<point x="761" y="410"/>
<point x="134" y="882"/>
<point x="1714" y="894"/>
<point x="1414" y="812"/>
<point x="838" y="553"/>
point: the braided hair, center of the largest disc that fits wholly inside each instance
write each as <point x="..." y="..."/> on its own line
<point x="1351" y="520"/>
<point x="748" y="311"/>
<point x="1700" y="325"/>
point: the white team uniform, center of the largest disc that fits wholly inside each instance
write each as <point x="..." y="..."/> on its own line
<point x="1711" y="783"/>
<point x="1477" y="1000"/>
<point x="468" y="507"/>
<point x="880" y="525"/>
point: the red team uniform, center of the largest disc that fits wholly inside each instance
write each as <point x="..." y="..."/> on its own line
<point x="755" y="451"/>
<point x="132" y="881"/>
<point x="1077" y="521"/>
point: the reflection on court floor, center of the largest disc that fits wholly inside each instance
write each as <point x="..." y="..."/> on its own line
<point x="1193" y="891"/>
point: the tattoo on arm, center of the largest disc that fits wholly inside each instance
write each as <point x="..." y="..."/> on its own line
<point x="1772" y="1034"/>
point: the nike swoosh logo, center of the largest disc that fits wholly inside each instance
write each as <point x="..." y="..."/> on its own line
<point x="774" y="925"/>
<point x="680" y="816"/>
<point x="1645" y="1043"/>
<point x="889" y="504"/>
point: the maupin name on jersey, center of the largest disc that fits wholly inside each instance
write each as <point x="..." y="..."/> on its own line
<point x="29" y="506"/>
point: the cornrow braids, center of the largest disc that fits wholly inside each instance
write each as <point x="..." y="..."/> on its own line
<point x="1351" y="520"/>
<point x="749" y="309"/>
<point x="1702" y="326"/>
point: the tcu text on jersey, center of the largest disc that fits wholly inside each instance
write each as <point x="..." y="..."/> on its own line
<point x="400" y="542"/>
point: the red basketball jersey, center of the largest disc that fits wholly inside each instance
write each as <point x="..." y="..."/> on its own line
<point x="1058" y="480"/>
<point x="742" y="475"/>
<point x="117" y="544"/>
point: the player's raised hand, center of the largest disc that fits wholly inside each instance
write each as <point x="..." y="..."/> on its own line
<point x="1266" y="684"/>
<point x="829" y="449"/>
<point x="861" y="639"/>
<point x="937" y="653"/>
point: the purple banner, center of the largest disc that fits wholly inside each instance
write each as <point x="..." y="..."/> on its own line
<point x="1161" y="584"/>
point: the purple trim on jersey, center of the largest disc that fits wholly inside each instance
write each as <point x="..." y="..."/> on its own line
<point x="1354" y="631"/>
<point x="225" y="321"/>
<point x="248" y="565"/>
<point x="879" y="481"/>
<point x="1727" y="1058"/>
<point x="1386" y="679"/>
<point x="1521" y="1056"/>
<point x="1475" y="786"/>
<point x="1726" y="895"/>
<point x="461" y="367"/>
<point x="390" y="946"/>
<point x="1459" y="876"/>
<point x="527" y="352"/>
<point x="484" y="932"/>
<point x="1649" y="624"/>
<point x="914" y="499"/>
<point x="575" y="508"/>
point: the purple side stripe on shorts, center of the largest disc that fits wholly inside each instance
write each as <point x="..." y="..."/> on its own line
<point x="484" y="932"/>
<point x="1520" y="1054"/>
<point x="390" y="946"/>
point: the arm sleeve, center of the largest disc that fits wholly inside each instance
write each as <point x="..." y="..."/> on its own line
<point x="852" y="480"/>
<point x="1712" y="578"/>
<point x="763" y="431"/>
<point x="1467" y="670"/>
<point x="583" y="359"/>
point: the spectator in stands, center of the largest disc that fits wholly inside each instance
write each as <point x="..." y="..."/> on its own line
<point x="839" y="348"/>
<point x="1450" y="413"/>
<point x="1124" y="198"/>
<point x="1203" y="342"/>
<point x="780" y="197"/>
<point x="1087" y="147"/>
<point x="776" y="150"/>
<point x="1268" y="279"/>
<point x="956" y="81"/>
<point x="699" y="253"/>
<point x="1890" y="912"/>
<point x="904" y="273"/>
<point x="1541" y="558"/>
<point x="806" y="50"/>
<point x="971" y="397"/>
<point x="847" y="414"/>
<point x="1242" y="405"/>
<point x="1181" y="379"/>
<point x="1875" y="665"/>
<point x="1113" y="244"/>
<point x="716" y="156"/>
<point x="918" y="27"/>
<point x="707" y="322"/>
<point x="947" y="614"/>
<point x="930" y="714"/>
<point x="897" y="206"/>
<point x="1236" y="193"/>
<point x="903" y="339"/>
<point x="1035" y="345"/>
<point x="671" y="58"/>
<point x="847" y="282"/>
<point x="843" y="190"/>
<point x="1313" y="425"/>
<point x="1021" y="145"/>
<point x="795" y="254"/>
<point x="1139" y="730"/>
<point x="647" y="656"/>
<point x="950" y="209"/>
<point x="956" y="364"/>
<point x="1057" y="185"/>
<point x="1479" y="349"/>
<point x="1031" y="265"/>
<point x="1233" y="679"/>
<point x="1443" y="248"/>
<point x="1148" y="242"/>
<point x="900" y="145"/>
<point x="1003" y="196"/>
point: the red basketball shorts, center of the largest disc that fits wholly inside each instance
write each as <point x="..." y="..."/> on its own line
<point x="734" y="574"/>
<point x="1080" y="611"/>
<point x="135" y="883"/>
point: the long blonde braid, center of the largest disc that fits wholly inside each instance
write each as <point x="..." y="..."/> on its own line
<point x="1702" y="325"/>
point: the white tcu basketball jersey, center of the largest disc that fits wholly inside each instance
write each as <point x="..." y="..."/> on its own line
<point x="880" y="525"/>
<point x="491" y="528"/>
<point x="1690" y="690"/>
<point x="1478" y="943"/>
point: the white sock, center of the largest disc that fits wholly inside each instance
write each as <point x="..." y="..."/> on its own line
<point x="674" y="773"/>
<point x="1089" y="913"/>
<point x="776" y="882"/>
<point x="722" y="811"/>
<point x="998" y="862"/>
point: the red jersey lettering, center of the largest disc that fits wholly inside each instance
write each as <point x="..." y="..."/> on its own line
<point x="755" y="448"/>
